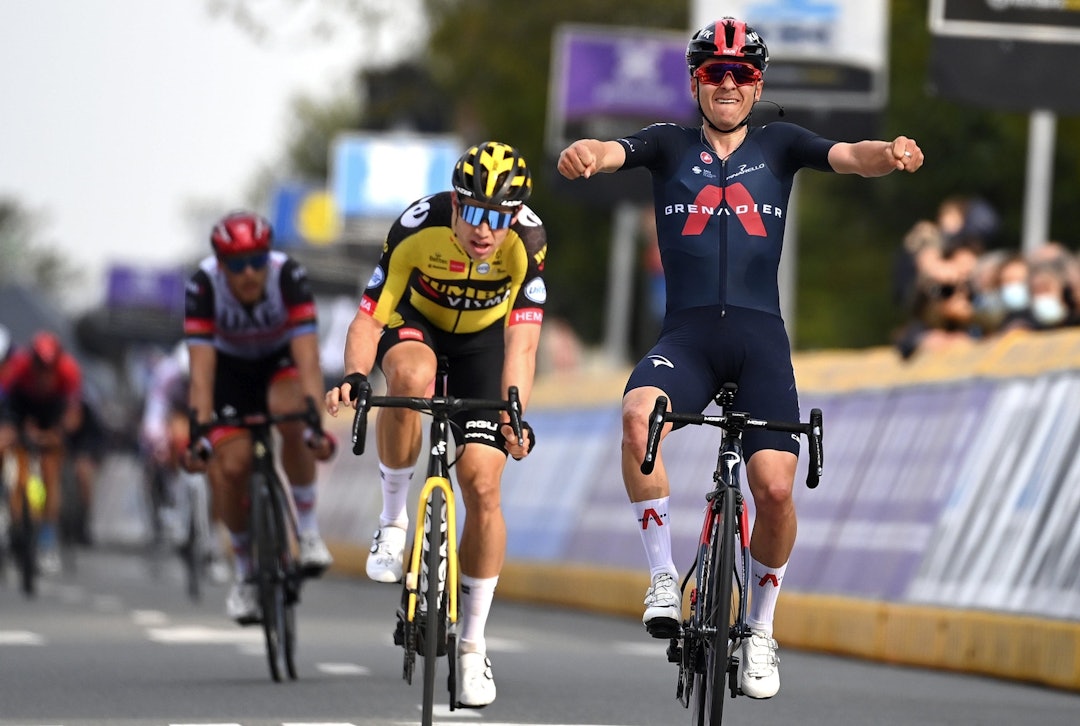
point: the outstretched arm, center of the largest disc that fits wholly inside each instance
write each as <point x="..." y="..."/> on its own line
<point x="586" y="157"/>
<point x="876" y="158"/>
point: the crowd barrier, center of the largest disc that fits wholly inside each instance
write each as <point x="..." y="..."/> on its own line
<point x="944" y="533"/>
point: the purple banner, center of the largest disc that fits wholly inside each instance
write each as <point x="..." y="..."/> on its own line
<point x="135" y="287"/>
<point x="635" y="73"/>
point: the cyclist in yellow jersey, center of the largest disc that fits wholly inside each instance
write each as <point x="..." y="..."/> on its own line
<point x="460" y="277"/>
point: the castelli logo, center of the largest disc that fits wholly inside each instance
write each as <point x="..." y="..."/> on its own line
<point x="706" y="157"/>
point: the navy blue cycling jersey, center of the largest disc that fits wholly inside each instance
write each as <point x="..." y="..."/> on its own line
<point x="720" y="222"/>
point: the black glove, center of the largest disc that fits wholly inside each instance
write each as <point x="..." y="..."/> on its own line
<point x="355" y="380"/>
<point x="528" y="434"/>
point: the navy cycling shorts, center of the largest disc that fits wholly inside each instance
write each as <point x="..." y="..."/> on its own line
<point x="699" y="350"/>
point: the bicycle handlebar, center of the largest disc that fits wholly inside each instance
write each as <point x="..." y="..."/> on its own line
<point x="310" y="416"/>
<point x="443" y="406"/>
<point x="735" y="421"/>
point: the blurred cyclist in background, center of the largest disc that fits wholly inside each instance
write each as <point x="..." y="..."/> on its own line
<point x="250" y="324"/>
<point x="40" y="405"/>
<point x="164" y="433"/>
<point x="461" y="277"/>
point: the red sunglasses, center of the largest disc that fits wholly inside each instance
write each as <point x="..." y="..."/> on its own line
<point x="743" y="74"/>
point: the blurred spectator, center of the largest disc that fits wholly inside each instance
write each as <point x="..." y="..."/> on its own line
<point x="1015" y="295"/>
<point x="1051" y="302"/>
<point x="985" y="283"/>
<point x="943" y="318"/>
<point x="968" y="221"/>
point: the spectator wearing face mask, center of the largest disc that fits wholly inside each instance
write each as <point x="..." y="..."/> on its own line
<point x="1015" y="295"/>
<point x="1051" y="304"/>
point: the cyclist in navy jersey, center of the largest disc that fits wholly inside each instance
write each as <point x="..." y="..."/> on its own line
<point x="721" y="200"/>
<point x="250" y="325"/>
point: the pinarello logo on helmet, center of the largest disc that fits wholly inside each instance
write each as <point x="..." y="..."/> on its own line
<point x="706" y="157"/>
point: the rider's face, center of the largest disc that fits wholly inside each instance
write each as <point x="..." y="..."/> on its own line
<point x="726" y="103"/>
<point x="479" y="241"/>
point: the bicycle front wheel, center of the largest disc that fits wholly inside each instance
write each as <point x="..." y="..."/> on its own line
<point x="716" y="615"/>
<point x="267" y="538"/>
<point x="433" y="575"/>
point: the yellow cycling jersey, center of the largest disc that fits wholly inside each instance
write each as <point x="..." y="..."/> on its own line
<point x="423" y="265"/>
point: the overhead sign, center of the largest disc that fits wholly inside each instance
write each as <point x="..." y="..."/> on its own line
<point x="824" y="54"/>
<point x="607" y="81"/>
<point x="379" y="174"/>
<point x="1045" y="21"/>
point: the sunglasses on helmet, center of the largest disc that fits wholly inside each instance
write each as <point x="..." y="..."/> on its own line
<point x="743" y="74"/>
<point x="475" y="215"/>
<point x="238" y="263"/>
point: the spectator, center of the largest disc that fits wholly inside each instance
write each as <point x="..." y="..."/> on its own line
<point x="1051" y="306"/>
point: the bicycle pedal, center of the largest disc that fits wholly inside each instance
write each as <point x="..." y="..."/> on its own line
<point x="663" y="628"/>
<point x="674" y="651"/>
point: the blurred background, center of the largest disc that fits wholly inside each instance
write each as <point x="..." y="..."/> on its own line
<point x="130" y="127"/>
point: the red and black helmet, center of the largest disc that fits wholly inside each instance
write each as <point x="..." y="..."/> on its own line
<point x="46" y="348"/>
<point x="241" y="233"/>
<point x="727" y="39"/>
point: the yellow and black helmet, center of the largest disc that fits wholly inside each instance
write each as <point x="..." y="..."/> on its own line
<point x="493" y="173"/>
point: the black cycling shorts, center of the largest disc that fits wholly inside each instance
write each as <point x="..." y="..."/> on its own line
<point x="699" y="350"/>
<point x="241" y="385"/>
<point x="475" y="366"/>
<point x="45" y="413"/>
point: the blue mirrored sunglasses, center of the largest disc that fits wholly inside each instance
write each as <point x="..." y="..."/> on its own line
<point x="474" y="215"/>
<point x="238" y="264"/>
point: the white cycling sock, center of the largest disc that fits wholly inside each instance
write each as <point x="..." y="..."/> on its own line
<point x="476" y="596"/>
<point x="304" y="498"/>
<point x="765" y="585"/>
<point x="652" y="518"/>
<point x="241" y="548"/>
<point x="395" y="496"/>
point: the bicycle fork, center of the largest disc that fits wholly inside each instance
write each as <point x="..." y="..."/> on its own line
<point x="417" y="575"/>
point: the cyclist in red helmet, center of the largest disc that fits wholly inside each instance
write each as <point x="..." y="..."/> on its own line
<point x="251" y="332"/>
<point x="721" y="200"/>
<point x="40" y="405"/>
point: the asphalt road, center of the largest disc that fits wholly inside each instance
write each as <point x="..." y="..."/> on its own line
<point x="118" y="643"/>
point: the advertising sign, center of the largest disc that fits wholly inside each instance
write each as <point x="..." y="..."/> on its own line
<point x="379" y="174"/>
<point x="610" y="81"/>
<point x="1051" y="21"/>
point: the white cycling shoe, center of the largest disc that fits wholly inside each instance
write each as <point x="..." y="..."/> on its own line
<point x="477" y="684"/>
<point x="663" y="607"/>
<point x="314" y="558"/>
<point x="759" y="666"/>
<point x="242" y="603"/>
<point x="384" y="562"/>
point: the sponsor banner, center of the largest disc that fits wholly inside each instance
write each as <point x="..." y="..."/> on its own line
<point x="1039" y="21"/>
<point x="140" y="288"/>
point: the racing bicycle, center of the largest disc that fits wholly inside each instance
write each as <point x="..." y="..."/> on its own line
<point x="427" y="619"/>
<point x="277" y="572"/>
<point x="708" y="643"/>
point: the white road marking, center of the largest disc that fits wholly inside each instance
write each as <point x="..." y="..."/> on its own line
<point x="149" y="618"/>
<point x="200" y="634"/>
<point x="20" y="637"/>
<point x="343" y="669"/>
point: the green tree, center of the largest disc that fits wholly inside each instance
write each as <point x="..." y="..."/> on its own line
<point x="24" y="258"/>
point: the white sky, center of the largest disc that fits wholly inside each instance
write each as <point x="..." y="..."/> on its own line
<point x="117" y="115"/>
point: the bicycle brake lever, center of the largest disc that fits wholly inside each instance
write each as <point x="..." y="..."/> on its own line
<point x="814" y="436"/>
<point x="514" y="409"/>
<point x="656" y="423"/>
<point x="359" y="427"/>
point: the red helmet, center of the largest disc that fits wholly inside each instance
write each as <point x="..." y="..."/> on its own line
<point x="241" y="233"/>
<point x="46" y="349"/>
<point x="730" y="39"/>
